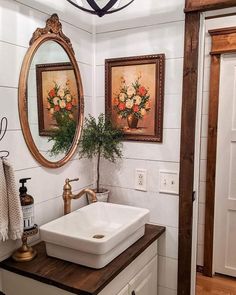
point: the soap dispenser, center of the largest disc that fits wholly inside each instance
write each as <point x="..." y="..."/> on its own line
<point x="27" y="204"/>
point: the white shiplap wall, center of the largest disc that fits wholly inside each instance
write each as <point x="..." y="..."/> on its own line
<point x="156" y="27"/>
<point x="19" y="19"/>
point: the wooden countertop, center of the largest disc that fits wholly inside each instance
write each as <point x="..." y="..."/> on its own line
<point x="75" y="278"/>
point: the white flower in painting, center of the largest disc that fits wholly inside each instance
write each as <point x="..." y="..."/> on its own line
<point x="60" y="92"/>
<point x="68" y="98"/>
<point x="138" y="99"/>
<point x="129" y="103"/>
<point x="52" y="111"/>
<point x="131" y="91"/>
<point x="56" y="100"/>
<point x="62" y="104"/>
<point x="122" y="96"/>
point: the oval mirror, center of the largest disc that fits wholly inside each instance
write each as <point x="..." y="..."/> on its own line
<point x="51" y="102"/>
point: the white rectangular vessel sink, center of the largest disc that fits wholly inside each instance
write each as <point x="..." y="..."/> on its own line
<point x="95" y="234"/>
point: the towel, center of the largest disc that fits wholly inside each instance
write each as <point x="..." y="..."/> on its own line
<point x="11" y="217"/>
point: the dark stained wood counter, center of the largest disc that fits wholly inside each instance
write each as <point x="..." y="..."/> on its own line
<point x="75" y="278"/>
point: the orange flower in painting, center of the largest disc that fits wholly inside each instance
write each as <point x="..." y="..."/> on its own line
<point x="121" y="106"/>
<point x="142" y="91"/>
<point x="116" y="101"/>
<point x="52" y="93"/>
<point x="69" y="106"/>
<point x="56" y="108"/>
<point x="135" y="108"/>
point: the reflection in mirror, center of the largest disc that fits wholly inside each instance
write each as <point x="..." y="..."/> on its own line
<point x="52" y="101"/>
<point x="51" y="104"/>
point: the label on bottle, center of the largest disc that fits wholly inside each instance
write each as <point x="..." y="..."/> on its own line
<point x="28" y="216"/>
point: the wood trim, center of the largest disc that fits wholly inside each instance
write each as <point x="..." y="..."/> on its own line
<point x="223" y="41"/>
<point x="211" y="164"/>
<point x="205" y="5"/>
<point x="189" y="103"/>
<point x="192" y="10"/>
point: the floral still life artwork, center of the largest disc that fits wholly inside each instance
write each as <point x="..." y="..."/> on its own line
<point x="132" y="103"/>
<point x="134" y="96"/>
<point x="57" y="97"/>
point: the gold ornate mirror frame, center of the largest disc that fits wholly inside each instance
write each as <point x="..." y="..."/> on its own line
<point x="52" y="32"/>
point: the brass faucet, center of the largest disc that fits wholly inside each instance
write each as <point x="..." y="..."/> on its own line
<point x="68" y="196"/>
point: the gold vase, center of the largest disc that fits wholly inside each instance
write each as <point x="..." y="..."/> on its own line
<point x="132" y="121"/>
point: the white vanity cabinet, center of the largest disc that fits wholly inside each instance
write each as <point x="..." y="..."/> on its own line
<point x="144" y="283"/>
<point x="124" y="291"/>
<point x="138" y="278"/>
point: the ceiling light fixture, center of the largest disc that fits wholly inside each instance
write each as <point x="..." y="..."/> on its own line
<point x="109" y="7"/>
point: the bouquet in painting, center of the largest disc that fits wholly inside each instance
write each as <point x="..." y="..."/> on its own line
<point x="61" y="102"/>
<point x="61" y="105"/>
<point x="132" y="99"/>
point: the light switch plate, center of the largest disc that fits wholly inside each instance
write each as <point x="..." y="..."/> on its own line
<point x="169" y="182"/>
<point x="141" y="179"/>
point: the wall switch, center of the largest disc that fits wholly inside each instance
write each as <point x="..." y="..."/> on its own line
<point x="141" y="179"/>
<point x="169" y="182"/>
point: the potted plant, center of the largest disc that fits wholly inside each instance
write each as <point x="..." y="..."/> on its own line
<point x="100" y="139"/>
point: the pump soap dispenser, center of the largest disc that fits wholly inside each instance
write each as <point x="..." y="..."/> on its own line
<point x="27" y="204"/>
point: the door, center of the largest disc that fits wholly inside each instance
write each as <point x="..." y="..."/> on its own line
<point x="225" y="188"/>
<point x="145" y="282"/>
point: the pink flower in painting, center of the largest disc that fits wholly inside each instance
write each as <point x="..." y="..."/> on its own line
<point x="121" y="106"/>
<point x="69" y="106"/>
<point x="142" y="91"/>
<point x="56" y="108"/>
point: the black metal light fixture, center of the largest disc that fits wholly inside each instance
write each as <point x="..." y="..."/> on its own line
<point x="111" y="6"/>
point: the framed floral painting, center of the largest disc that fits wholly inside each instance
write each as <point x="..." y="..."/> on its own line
<point x="57" y="96"/>
<point x="135" y="94"/>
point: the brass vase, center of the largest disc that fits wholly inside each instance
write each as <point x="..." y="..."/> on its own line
<point x="132" y="121"/>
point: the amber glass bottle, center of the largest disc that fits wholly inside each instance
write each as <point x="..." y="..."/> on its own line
<point x="27" y="204"/>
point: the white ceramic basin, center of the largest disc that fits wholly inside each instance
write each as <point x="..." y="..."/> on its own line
<point x="95" y="234"/>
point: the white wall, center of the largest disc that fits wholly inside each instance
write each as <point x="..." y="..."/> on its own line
<point x="156" y="27"/>
<point x="210" y="24"/>
<point x="17" y="23"/>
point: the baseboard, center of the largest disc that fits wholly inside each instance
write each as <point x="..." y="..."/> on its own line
<point x="200" y="268"/>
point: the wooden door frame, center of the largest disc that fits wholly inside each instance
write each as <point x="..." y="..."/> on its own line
<point x="189" y="104"/>
<point x="223" y="41"/>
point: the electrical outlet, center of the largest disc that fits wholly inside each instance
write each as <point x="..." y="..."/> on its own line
<point x="141" y="179"/>
<point x="169" y="182"/>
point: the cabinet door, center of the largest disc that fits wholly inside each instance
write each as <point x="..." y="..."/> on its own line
<point x="145" y="282"/>
<point x="124" y="291"/>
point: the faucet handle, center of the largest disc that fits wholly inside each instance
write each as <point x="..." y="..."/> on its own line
<point x="71" y="180"/>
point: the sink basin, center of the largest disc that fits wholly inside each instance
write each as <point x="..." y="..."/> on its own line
<point x="95" y="234"/>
